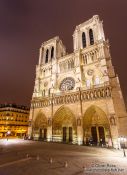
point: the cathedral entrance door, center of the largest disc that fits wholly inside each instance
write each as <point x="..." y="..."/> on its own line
<point x="45" y="133"/>
<point x="70" y="134"/>
<point x="64" y="134"/>
<point x="40" y="133"/>
<point x="94" y="135"/>
<point x="101" y="135"/>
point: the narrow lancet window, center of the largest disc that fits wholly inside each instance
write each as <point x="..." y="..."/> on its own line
<point x="52" y="53"/>
<point x="83" y="40"/>
<point x="46" y="58"/>
<point x="91" y="37"/>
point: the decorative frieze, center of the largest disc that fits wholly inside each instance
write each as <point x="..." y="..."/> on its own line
<point x="73" y="97"/>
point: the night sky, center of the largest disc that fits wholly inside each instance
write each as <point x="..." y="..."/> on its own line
<point x="25" y="24"/>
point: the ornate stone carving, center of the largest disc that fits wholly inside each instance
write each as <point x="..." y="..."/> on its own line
<point x="45" y="83"/>
<point x="67" y="84"/>
<point x="90" y="72"/>
<point x="72" y="97"/>
<point x="112" y="120"/>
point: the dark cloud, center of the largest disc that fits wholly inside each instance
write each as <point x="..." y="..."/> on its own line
<point x="25" y="24"/>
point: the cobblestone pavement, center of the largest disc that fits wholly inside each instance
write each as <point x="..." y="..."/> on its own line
<point x="18" y="157"/>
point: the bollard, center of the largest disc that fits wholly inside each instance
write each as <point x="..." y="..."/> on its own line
<point x="66" y="164"/>
<point x="38" y="157"/>
<point x="50" y="160"/>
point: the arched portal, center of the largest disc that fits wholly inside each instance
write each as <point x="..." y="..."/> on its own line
<point x="64" y="125"/>
<point x="96" y="126"/>
<point x="40" y="127"/>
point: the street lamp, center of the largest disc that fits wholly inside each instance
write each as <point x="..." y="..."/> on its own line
<point x="9" y="132"/>
<point x="122" y="141"/>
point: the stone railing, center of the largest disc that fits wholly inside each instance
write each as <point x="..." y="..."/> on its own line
<point x="72" y="97"/>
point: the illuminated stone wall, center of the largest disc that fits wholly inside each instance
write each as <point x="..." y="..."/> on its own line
<point x="76" y="83"/>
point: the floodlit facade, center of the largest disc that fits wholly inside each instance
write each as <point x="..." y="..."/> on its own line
<point x="13" y="120"/>
<point x="77" y="97"/>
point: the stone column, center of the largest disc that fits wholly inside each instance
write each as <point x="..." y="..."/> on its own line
<point x="114" y="136"/>
<point x="98" y="138"/>
<point x="87" y="37"/>
<point x="49" y="130"/>
<point x="79" y="132"/>
<point x="113" y="140"/>
<point x="40" y="56"/>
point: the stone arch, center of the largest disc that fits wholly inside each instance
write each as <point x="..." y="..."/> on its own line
<point x="96" y="126"/>
<point x="40" y="120"/>
<point x="40" y="126"/>
<point x="64" y="125"/>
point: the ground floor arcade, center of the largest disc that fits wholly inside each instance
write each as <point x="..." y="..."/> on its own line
<point x="93" y="128"/>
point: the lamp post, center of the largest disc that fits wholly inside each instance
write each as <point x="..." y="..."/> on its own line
<point x="122" y="141"/>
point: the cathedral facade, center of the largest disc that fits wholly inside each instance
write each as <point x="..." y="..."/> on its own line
<point x="77" y="97"/>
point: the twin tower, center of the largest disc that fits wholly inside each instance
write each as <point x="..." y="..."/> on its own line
<point x="77" y="97"/>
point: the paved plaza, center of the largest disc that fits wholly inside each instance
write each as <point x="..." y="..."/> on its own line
<point x="19" y="157"/>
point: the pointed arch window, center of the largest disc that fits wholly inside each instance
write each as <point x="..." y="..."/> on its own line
<point x="91" y="37"/>
<point x="43" y="93"/>
<point x="97" y="81"/>
<point x="83" y="40"/>
<point x="88" y="83"/>
<point x="52" y="52"/>
<point x="47" y="54"/>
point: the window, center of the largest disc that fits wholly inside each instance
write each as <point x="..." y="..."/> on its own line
<point x="69" y="65"/>
<point x="72" y="64"/>
<point x="97" y="80"/>
<point x="52" y="52"/>
<point x="85" y="59"/>
<point x="44" y="73"/>
<point x="88" y="83"/>
<point x="92" y="57"/>
<point x="67" y="83"/>
<point x="91" y="37"/>
<point x="47" y="54"/>
<point x="43" y="93"/>
<point x="83" y="40"/>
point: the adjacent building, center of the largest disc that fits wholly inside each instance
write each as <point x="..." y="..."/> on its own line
<point x="13" y="120"/>
<point x="77" y="97"/>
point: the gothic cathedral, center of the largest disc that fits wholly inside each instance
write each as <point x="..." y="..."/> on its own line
<point x="77" y="97"/>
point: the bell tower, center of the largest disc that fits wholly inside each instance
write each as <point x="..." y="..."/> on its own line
<point x="81" y="88"/>
<point x="88" y="33"/>
<point x="47" y="68"/>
